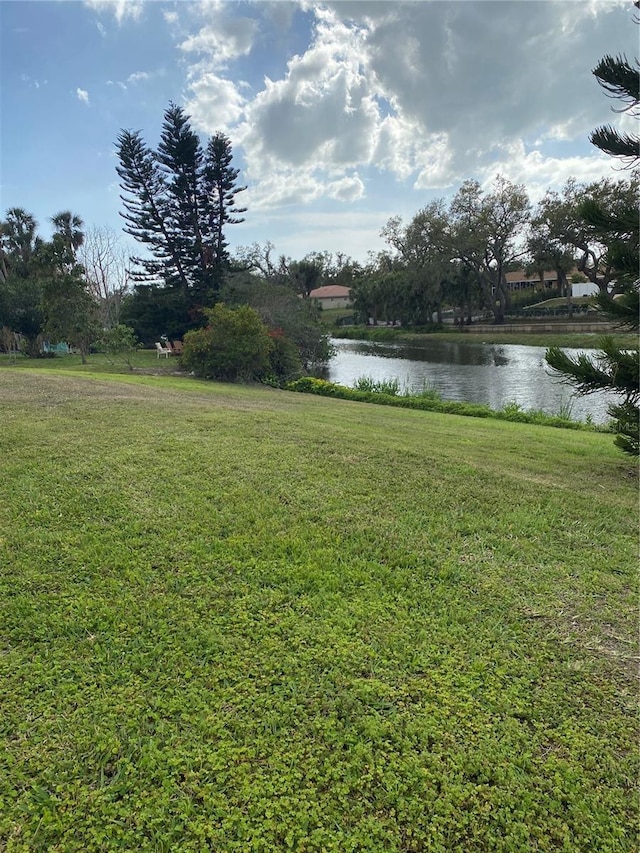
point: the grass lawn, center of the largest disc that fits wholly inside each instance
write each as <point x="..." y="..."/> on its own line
<point x="141" y="361"/>
<point x="241" y="619"/>
<point x="578" y="340"/>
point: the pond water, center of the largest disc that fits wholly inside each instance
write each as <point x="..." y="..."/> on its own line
<point x="495" y="374"/>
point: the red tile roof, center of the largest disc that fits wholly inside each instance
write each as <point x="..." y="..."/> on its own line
<point x="519" y="275"/>
<point x="335" y="290"/>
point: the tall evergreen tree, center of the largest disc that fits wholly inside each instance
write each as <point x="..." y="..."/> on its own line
<point x="178" y="201"/>
<point x="619" y="230"/>
<point x="147" y="213"/>
<point x="220" y="190"/>
<point x="621" y="81"/>
<point x="180" y="157"/>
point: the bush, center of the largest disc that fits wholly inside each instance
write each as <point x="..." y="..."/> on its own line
<point x="369" y="333"/>
<point x="119" y="340"/>
<point x="384" y="386"/>
<point x="430" y="401"/>
<point x="235" y="346"/>
<point x="281" y="310"/>
<point x="284" y="358"/>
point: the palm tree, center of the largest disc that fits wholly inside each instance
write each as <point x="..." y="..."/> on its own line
<point x="18" y="234"/>
<point x="68" y="231"/>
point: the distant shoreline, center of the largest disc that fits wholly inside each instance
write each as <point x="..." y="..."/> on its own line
<point x="541" y="335"/>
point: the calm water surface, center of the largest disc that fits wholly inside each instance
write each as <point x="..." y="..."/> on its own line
<point x="495" y="374"/>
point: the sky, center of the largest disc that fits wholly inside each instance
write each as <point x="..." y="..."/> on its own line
<point x="341" y="114"/>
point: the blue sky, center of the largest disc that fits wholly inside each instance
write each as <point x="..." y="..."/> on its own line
<point x="341" y="114"/>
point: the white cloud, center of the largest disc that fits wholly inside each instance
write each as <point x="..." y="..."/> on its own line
<point x="224" y="37"/>
<point x="347" y="189"/>
<point x="215" y="102"/>
<point x="283" y="187"/>
<point x="82" y="95"/>
<point x="141" y="76"/>
<point x="222" y="44"/>
<point x="322" y="112"/>
<point x="300" y="232"/>
<point x="30" y="81"/>
<point x="538" y="172"/>
<point x="429" y="93"/>
<point x="434" y="161"/>
<point x="120" y="9"/>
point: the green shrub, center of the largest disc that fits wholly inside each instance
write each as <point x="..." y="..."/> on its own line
<point x="369" y="333"/>
<point x="235" y="346"/>
<point x="427" y="392"/>
<point x="384" y="386"/>
<point x="119" y="341"/>
<point x="430" y="400"/>
<point x="512" y="409"/>
<point x="311" y="385"/>
<point x="284" y="358"/>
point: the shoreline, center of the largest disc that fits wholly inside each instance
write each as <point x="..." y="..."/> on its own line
<point x="546" y="336"/>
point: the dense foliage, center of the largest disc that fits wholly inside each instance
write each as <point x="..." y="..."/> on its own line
<point x="612" y="222"/>
<point x="43" y="287"/>
<point x="178" y="201"/>
<point x="284" y="313"/>
<point x="234" y="345"/>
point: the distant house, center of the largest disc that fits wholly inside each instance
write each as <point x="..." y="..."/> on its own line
<point x="519" y="280"/>
<point x="332" y="296"/>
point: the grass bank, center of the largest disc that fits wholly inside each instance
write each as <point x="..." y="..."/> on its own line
<point x="238" y="619"/>
<point x="386" y="394"/>
<point x="577" y="340"/>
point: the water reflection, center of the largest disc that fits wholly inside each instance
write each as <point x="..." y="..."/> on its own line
<point x="495" y="374"/>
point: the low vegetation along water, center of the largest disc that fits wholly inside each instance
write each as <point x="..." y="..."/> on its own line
<point x="494" y="374"/>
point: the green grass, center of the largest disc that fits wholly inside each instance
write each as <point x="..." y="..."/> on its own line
<point x="330" y="316"/>
<point x="241" y="619"/>
<point x="578" y="340"/>
<point x="140" y="361"/>
<point x="385" y="393"/>
<point x="564" y="302"/>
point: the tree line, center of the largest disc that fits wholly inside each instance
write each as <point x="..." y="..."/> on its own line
<point x="179" y="199"/>
<point x="178" y="202"/>
<point x="457" y="255"/>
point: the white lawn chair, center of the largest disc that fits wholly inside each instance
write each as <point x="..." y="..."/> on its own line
<point x="160" y="350"/>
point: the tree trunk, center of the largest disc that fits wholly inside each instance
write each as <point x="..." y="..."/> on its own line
<point x="503" y="300"/>
<point x="494" y="299"/>
<point x="31" y="346"/>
